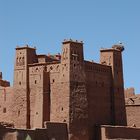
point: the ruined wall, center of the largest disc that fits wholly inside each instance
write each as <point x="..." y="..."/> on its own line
<point x="6" y="104"/>
<point x="99" y="83"/>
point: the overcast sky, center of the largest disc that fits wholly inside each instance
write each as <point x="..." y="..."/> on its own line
<point x="46" y="23"/>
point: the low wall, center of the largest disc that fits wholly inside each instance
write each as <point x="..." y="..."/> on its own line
<point x="53" y="131"/>
<point x="117" y="132"/>
<point x="133" y="115"/>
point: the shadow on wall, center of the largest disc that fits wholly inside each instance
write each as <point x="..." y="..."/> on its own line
<point x="13" y="134"/>
<point x="119" y="132"/>
<point x="53" y="131"/>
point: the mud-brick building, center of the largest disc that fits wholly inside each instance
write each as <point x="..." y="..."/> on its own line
<point x="66" y="88"/>
<point x="132" y="103"/>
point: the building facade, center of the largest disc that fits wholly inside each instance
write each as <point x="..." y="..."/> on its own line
<point x="67" y="89"/>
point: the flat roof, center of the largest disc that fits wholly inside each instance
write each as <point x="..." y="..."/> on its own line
<point x="25" y="47"/>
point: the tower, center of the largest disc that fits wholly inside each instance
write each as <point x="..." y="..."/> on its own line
<point x="113" y="58"/>
<point x="21" y="102"/>
<point x="69" y="101"/>
<point x="39" y="95"/>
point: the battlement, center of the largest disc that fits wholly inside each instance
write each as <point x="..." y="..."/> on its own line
<point x="25" y="47"/>
<point x="66" y="41"/>
<point x="116" y="47"/>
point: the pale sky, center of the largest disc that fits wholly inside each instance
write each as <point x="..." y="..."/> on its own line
<point x="46" y="23"/>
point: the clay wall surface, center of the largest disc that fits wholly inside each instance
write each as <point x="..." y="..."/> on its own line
<point x="36" y="96"/>
<point x="31" y="89"/>
<point x="118" y="132"/>
<point x="59" y="87"/>
<point x="129" y="92"/>
<point x="21" y="102"/>
<point x="133" y="115"/>
<point x="6" y="94"/>
<point x="78" y="103"/>
<point x="54" y="131"/>
<point x="39" y="95"/>
<point x="41" y="58"/>
<point x="132" y="110"/>
<point x="4" y="83"/>
<point x="19" y="110"/>
<point x="113" y="58"/>
<point x="58" y="131"/>
<point x="78" y="125"/>
<point x="49" y="58"/>
<point x="98" y="79"/>
<point x="68" y="91"/>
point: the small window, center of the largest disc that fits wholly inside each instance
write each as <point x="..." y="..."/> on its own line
<point x="4" y="110"/>
<point x="62" y="109"/>
<point x="18" y="112"/>
<point x="19" y="83"/>
<point x="53" y="80"/>
<point x="35" y="81"/>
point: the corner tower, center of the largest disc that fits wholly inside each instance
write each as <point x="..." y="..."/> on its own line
<point x="113" y="58"/>
<point x="69" y="104"/>
<point x="21" y="102"/>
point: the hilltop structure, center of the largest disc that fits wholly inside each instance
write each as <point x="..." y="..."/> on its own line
<point x="66" y="89"/>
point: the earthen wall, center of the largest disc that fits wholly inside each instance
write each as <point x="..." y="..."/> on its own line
<point x="98" y="79"/>
<point x="6" y="94"/>
<point x="133" y="114"/>
<point x="118" y="132"/>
